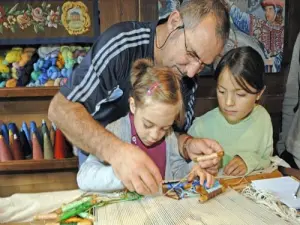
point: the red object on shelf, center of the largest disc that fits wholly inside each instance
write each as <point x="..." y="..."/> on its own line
<point x="59" y="145"/>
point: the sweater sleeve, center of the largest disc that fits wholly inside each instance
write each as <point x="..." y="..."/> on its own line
<point x="291" y="97"/>
<point x="179" y="166"/>
<point x="260" y="159"/>
<point x="196" y="128"/>
<point x="94" y="175"/>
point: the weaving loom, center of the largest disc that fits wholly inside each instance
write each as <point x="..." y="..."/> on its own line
<point x="230" y="208"/>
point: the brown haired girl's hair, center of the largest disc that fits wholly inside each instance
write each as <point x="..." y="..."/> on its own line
<point x="159" y="83"/>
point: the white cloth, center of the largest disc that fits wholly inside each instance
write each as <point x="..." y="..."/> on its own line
<point x="23" y="207"/>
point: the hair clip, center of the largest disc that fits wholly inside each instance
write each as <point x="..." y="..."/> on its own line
<point x="152" y="88"/>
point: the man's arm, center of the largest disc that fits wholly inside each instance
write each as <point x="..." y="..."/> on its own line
<point x="81" y="129"/>
<point x="93" y="85"/>
<point x="190" y="147"/>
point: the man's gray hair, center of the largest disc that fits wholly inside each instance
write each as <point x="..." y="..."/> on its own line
<point x="193" y="11"/>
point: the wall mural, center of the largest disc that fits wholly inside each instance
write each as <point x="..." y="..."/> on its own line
<point x="255" y="23"/>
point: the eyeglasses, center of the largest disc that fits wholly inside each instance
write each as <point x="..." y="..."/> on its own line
<point x="191" y="54"/>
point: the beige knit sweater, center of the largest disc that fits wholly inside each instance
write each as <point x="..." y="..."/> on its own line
<point x="290" y="136"/>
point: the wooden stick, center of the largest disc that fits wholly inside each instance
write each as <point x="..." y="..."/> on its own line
<point x="50" y="216"/>
<point x="202" y="158"/>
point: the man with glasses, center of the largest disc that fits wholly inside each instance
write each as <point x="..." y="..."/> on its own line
<point x="97" y="92"/>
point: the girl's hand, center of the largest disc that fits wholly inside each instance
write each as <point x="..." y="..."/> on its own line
<point x="203" y="175"/>
<point x="236" y="167"/>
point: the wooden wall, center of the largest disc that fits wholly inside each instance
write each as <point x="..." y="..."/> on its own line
<point x="114" y="11"/>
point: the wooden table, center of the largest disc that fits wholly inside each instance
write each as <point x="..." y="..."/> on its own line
<point x="240" y="183"/>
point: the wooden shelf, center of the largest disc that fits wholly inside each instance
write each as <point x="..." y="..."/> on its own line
<point x="38" y="165"/>
<point x="28" y="92"/>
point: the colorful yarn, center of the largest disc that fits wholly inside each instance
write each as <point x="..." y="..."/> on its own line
<point x="48" y="149"/>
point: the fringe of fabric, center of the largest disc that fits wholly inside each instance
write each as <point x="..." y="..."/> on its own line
<point x="269" y="200"/>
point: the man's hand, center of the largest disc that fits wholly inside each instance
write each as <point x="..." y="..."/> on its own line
<point x="236" y="167"/>
<point x="136" y="170"/>
<point x="203" y="175"/>
<point x="204" y="146"/>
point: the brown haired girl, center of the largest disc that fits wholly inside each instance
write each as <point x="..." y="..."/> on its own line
<point x="155" y="104"/>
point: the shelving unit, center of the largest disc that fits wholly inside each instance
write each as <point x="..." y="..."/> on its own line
<point x="17" y="166"/>
<point x="29" y="176"/>
<point x="28" y="92"/>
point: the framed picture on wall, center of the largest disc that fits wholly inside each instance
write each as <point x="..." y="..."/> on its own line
<point x="255" y="23"/>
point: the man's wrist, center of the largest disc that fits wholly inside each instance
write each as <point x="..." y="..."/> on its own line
<point x="185" y="144"/>
<point x="112" y="151"/>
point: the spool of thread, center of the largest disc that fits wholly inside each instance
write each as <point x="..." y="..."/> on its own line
<point x="5" y="154"/>
<point x="16" y="150"/>
<point x="48" y="149"/>
<point x="60" y="145"/>
<point x="10" y="137"/>
<point x="34" y="129"/>
<point x="205" y="195"/>
<point x="25" y="147"/>
<point x="52" y="134"/>
<point x="13" y="127"/>
<point x="45" y="128"/>
<point x="4" y="132"/>
<point x="37" y="153"/>
<point x="27" y="133"/>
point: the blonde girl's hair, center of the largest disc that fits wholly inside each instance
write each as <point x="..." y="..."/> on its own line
<point x="161" y="84"/>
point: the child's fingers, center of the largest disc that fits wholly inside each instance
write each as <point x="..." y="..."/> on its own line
<point x="236" y="171"/>
<point x="210" y="180"/>
<point x="239" y="171"/>
<point x="191" y="177"/>
<point x="212" y="171"/>
<point x="202" y="176"/>
<point x="230" y="168"/>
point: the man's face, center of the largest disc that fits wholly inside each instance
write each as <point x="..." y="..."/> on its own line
<point x="270" y="13"/>
<point x="191" y="49"/>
